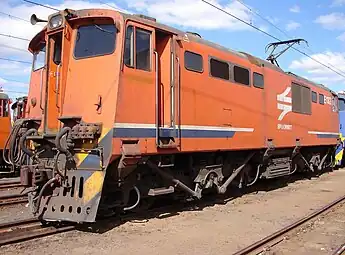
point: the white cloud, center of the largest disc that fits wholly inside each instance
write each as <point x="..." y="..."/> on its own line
<point x="292" y="25"/>
<point x="321" y="74"/>
<point x="337" y="3"/>
<point x="335" y="20"/>
<point x="295" y="9"/>
<point x="194" y="13"/>
<point x="341" y="37"/>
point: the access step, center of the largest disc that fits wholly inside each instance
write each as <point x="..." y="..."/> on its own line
<point x="161" y="191"/>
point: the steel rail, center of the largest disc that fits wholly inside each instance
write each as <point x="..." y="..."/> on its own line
<point x="277" y="237"/>
<point x="19" y="231"/>
<point x="13" y="199"/>
<point x="340" y="250"/>
<point x="10" y="185"/>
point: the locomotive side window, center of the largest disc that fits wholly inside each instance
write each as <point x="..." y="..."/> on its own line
<point x="193" y="61"/>
<point x="258" y="80"/>
<point x="301" y="102"/>
<point x="341" y="104"/>
<point x="39" y="57"/>
<point x="129" y="45"/>
<point x="95" y="40"/>
<point x="314" y="97"/>
<point x="142" y="48"/>
<point x="3" y="108"/>
<point x="241" y="75"/>
<point x="321" y="99"/>
<point x="138" y="54"/>
<point x="219" y="69"/>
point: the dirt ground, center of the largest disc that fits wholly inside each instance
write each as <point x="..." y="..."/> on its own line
<point x="217" y="229"/>
<point x="319" y="236"/>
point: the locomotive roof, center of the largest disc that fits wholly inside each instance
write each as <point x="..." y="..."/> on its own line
<point x="247" y="56"/>
<point x="3" y="95"/>
<point x="244" y="55"/>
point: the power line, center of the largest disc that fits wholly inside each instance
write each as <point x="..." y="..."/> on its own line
<point x="13" y="91"/>
<point x="282" y="31"/>
<point x="39" y="4"/>
<point x="14" y="48"/>
<point x="15" y="37"/>
<point x="14" y="60"/>
<point x="272" y="36"/>
<point x="113" y="7"/>
<point x="11" y="80"/>
<point x="14" y="17"/>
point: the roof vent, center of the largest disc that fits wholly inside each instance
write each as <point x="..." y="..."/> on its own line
<point x="194" y="34"/>
<point x="145" y="17"/>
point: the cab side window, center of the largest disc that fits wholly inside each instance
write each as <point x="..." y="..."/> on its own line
<point x="138" y="48"/>
<point x="3" y="108"/>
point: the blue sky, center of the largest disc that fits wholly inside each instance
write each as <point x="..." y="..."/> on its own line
<point x="322" y="24"/>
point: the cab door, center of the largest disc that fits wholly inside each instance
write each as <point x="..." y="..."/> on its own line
<point x="149" y="80"/>
<point x="58" y="49"/>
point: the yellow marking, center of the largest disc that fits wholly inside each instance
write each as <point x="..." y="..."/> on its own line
<point x="82" y="156"/>
<point x="339" y="155"/>
<point x="93" y="186"/>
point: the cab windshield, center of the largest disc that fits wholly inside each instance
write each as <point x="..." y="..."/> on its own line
<point x="95" y="40"/>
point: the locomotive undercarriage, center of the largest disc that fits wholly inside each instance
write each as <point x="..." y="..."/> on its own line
<point x="185" y="176"/>
<point x="61" y="188"/>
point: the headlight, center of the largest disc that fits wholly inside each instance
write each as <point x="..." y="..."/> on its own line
<point x="55" y="21"/>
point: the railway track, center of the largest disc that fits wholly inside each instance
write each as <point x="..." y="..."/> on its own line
<point x="10" y="185"/>
<point x="340" y="250"/>
<point x="279" y="236"/>
<point x="22" y="230"/>
<point x="13" y="199"/>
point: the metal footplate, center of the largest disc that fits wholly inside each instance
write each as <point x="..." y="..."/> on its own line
<point x="161" y="191"/>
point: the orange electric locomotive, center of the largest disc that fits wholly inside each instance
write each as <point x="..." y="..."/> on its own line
<point x="5" y="127"/>
<point x="122" y="109"/>
<point x="10" y="154"/>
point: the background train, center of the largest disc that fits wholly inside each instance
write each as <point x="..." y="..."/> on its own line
<point x="340" y="156"/>
<point x="124" y="109"/>
<point x="6" y="121"/>
<point x="5" y="126"/>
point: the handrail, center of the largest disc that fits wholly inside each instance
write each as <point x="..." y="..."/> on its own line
<point x="41" y="87"/>
<point x="178" y="101"/>
<point x="157" y="97"/>
<point x="57" y="85"/>
<point x="172" y="91"/>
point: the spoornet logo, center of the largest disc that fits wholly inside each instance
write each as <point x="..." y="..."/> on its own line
<point x="284" y="104"/>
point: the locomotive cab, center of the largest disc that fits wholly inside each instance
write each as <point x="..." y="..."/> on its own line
<point x="5" y="122"/>
<point x="340" y="155"/>
<point x="18" y="108"/>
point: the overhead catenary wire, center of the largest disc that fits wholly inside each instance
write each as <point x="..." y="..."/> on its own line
<point x="272" y="36"/>
<point x="42" y="5"/>
<point x="12" y="80"/>
<point x="15" y="60"/>
<point x="15" y="37"/>
<point x="14" y="17"/>
<point x="283" y="32"/>
<point x="14" y="91"/>
<point x="13" y="48"/>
